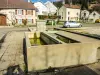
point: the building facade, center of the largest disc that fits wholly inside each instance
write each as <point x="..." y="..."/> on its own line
<point x="69" y="13"/>
<point x="85" y="14"/>
<point x="18" y="15"/>
<point x="94" y="16"/>
<point x="15" y="14"/>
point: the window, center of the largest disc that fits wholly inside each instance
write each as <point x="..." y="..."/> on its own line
<point x="29" y="20"/>
<point x="77" y="14"/>
<point x="94" y="14"/>
<point x="29" y="12"/>
<point x="19" y="21"/>
<point x="62" y="15"/>
<point x="19" y="11"/>
<point x="68" y="13"/>
<point x="68" y="18"/>
<point x="77" y="18"/>
<point x="84" y="14"/>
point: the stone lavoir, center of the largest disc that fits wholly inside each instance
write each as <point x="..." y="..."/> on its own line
<point x="57" y="53"/>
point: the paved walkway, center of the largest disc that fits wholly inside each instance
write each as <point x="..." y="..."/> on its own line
<point x="80" y="38"/>
<point x="11" y="51"/>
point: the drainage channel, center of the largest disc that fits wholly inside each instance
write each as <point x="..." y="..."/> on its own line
<point x="50" y="38"/>
<point x="64" y="38"/>
<point x="95" y="36"/>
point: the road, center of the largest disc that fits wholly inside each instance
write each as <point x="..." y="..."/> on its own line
<point x="83" y="25"/>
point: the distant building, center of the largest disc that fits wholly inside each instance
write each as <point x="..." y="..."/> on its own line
<point x="52" y="8"/>
<point x="94" y="16"/>
<point x="85" y="15"/>
<point x="15" y="11"/>
<point x="41" y="8"/>
<point x="69" y="12"/>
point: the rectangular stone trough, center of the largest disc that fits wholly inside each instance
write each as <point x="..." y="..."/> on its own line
<point x="57" y="53"/>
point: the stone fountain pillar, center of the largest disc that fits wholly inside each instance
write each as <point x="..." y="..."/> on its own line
<point x="41" y="25"/>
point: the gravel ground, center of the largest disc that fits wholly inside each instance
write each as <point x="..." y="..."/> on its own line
<point x="12" y="50"/>
<point x="93" y="30"/>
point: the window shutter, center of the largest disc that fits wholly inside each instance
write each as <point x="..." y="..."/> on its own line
<point x="26" y="12"/>
<point x="22" y="12"/>
<point x="16" y="12"/>
<point x="32" y="20"/>
<point x="32" y="12"/>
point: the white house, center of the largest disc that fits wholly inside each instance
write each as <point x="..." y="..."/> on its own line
<point x="85" y="14"/>
<point x="94" y="16"/>
<point x="41" y="8"/>
<point x="52" y="8"/>
<point x="69" y="12"/>
<point x="13" y="12"/>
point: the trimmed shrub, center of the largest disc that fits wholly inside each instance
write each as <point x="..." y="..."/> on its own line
<point x="24" y="21"/>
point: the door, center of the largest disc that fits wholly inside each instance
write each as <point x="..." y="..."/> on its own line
<point x="2" y="20"/>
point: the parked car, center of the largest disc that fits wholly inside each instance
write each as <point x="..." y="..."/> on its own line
<point x="97" y="21"/>
<point x="72" y="24"/>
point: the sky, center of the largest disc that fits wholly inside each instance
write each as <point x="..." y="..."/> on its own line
<point x="44" y="0"/>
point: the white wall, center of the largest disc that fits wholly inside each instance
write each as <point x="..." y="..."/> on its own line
<point x="63" y="12"/>
<point x="74" y="14"/>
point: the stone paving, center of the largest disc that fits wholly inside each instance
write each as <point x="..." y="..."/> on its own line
<point x="11" y="51"/>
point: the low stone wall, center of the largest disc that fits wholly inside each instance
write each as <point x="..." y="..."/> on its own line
<point x="42" y="57"/>
<point x="31" y="34"/>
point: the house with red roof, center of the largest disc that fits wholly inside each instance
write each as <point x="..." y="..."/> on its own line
<point x="15" y="11"/>
<point x="69" y="12"/>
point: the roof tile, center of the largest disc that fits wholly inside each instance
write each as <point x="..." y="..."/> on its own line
<point x="72" y="6"/>
<point x="17" y="4"/>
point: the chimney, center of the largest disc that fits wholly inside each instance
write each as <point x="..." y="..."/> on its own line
<point x="63" y="2"/>
<point x="29" y="0"/>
